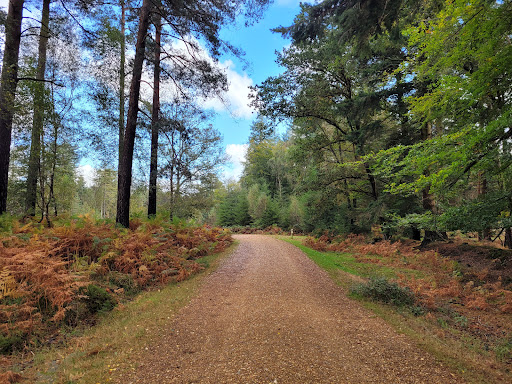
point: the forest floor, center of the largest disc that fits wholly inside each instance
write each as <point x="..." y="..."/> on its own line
<point x="474" y="259"/>
<point x="270" y="315"/>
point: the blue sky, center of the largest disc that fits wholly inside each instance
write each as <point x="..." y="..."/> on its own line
<point x="259" y="44"/>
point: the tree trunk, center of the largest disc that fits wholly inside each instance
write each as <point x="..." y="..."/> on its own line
<point x="55" y="148"/>
<point x="122" y="75"/>
<point x="171" y="200"/>
<point x="371" y="180"/>
<point x="415" y="234"/>
<point x="38" y="120"/>
<point x="124" y="179"/>
<point x="153" y="169"/>
<point x="42" y="179"/>
<point x="358" y="151"/>
<point x="8" y="92"/>
<point x="508" y="238"/>
<point x="431" y="235"/>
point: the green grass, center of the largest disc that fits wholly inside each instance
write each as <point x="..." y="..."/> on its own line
<point x="333" y="262"/>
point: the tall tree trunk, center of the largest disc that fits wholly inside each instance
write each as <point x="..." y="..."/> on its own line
<point x="55" y="153"/>
<point x="171" y="200"/>
<point x="153" y="169"/>
<point x="122" y="76"/>
<point x="358" y="152"/>
<point x="38" y="119"/>
<point x="42" y="179"/>
<point x="8" y="92"/>
<point x="124" y="179"/>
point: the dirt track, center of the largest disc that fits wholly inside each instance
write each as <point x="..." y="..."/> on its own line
<point x="270" y="315"/>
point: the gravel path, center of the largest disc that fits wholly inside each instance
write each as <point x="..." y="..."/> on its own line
<point x="270" y="315"/>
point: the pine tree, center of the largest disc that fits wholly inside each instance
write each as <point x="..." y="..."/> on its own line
<point x="9" y="81"/>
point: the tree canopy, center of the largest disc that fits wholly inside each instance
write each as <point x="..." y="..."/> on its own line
<point x="398" y="113"/>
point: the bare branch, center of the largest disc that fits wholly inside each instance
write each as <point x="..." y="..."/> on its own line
<point x="40" y="80"/>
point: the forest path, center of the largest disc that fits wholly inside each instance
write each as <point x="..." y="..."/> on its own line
<point x="270" y="315"/>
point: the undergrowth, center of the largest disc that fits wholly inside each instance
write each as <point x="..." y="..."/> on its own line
<point x="385" y="291"/>
<point x="68" y="274"/>
<point x="96" y="354"/>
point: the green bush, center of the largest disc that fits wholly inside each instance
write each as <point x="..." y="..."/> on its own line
<point x="11" y="342"/>
<point x="97" y="299"/>
<point x="385" y="291"/>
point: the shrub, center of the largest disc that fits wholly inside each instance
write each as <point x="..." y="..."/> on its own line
<point x="97" y="299"/>
<point x="59" y="271"/>
<point x="383" y="290"/>
<point x="10" y="342"/>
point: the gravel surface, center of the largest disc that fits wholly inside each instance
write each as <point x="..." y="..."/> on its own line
<point x="270" y="315"/>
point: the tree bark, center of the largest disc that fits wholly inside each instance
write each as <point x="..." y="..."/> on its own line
<point x="153" y="169"/>
<point x="124" y="179"/>
<point x="8" y="92"/>
<point x="122" y="76"/>
<point x="38" y="119"/>
<point x="371" y="180"/>
<point x="508" y="238"/>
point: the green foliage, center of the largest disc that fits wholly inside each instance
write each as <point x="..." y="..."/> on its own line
<point x="321" y="213"/>
<point x="232" y="210"/>
<point x="381" y="289"/>
<point x="11" y="342"/>
<point x="491" y="211"/>
<point x="464" y="51"/>
<point x="295" y="214"/>
<point x="269" y="216"/>
<point x="242" y="216"/>
<point x="97" y="299"/>
<point x="503" y="351"/>
<point x="6" y="223"/>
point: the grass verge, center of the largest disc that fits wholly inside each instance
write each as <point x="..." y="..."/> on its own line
<point x="459" y="351"/>
<point x="92" y="355"/>
<point x="334" y="262"/>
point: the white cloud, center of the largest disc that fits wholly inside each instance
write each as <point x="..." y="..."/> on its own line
<point x="88" y="173"/>
<point x="236" y="154"/>
<point x="236" y="99"/>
